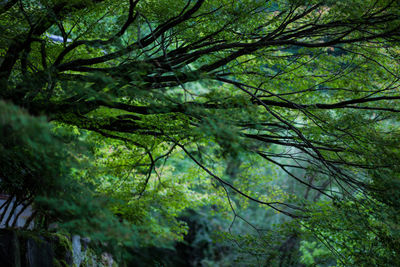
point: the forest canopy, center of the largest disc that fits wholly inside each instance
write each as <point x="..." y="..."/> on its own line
<point x="268" y="127"/>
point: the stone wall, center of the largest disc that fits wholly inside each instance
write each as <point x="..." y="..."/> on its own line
<point x="31" y="249"/>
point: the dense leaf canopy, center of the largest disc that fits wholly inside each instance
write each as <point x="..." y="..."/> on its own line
<point x="289" y="104"/>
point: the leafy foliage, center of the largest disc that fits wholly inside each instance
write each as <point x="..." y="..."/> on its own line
<point x="279" y="114"/>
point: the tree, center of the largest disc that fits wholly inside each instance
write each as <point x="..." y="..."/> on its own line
<point x="310" y="87"/>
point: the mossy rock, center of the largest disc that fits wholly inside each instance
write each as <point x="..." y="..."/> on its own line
<point x="62" y="248"/>
<point x="60" y="245"/>
<point x="60" y="263"/>
<point x="23" y="237"/>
